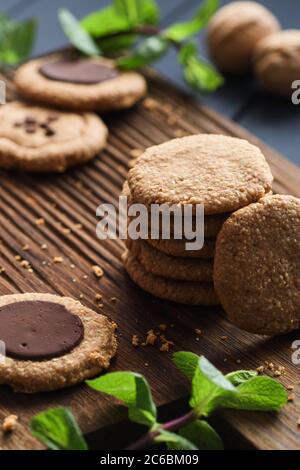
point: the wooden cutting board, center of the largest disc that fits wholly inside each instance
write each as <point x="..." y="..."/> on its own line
<point x="67" y="203"/>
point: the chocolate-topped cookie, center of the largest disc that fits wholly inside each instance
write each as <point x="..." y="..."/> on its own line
<point x="34" y="138"/>
<point x="52" y="342"/>
<point x="79" y="84"/>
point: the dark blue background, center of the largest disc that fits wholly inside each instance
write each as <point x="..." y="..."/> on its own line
<point x="274" y="120"/>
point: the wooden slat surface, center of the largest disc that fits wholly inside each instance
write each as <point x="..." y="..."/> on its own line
<point x="64" y="201"/>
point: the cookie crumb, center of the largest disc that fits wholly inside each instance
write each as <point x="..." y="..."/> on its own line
<point x="78" y="226"/>
<point x="135" y="341"/>
<point x="98" y="271"/>
<point x="98" y="297"/>
<point x="198" y="332"/>
<point x="9" y="423"/>
<point x="224" y="338"/>
<point x="25" y="248"/>
<point x="40" y="221"/>
<point x="151" y="338"/>
<point x="260" y="369"/>
<point x="150" y="104"/>
<point x="290" y="388"/>
<point x="57" y="259"/>
<point x="136" y="152"/>
<point x="291" y="397"/>
<point x="162" y="327"/>
<point x="113" y="299"/>
<point x="44" y="246"/>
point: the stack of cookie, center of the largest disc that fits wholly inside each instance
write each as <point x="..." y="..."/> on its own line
<point x="218" y="172"/>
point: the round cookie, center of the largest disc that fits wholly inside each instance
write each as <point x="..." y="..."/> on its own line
<point x="34" y="138"/>
<point x="257" y="265"/>
<point x="177" y="248"/>
<point x="184" y="292"/>
<point x="212" y="223"/>
<point x="52" y="342"/>
<point x="160" y="264"/>
<point x="223" y="173"/>
<point x="80" y="84"/>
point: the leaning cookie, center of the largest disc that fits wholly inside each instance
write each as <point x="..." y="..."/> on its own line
<point x="179" y="249"/>
<point x="184" y="292"/>
<point x="34" y="138"/>
<point x="79" y="84"/>
<point x="52" y="342"/>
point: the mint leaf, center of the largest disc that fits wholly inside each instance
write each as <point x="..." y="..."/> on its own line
<point x="174" y="441"/>
<point x="145" y="53"/>
<point x="187" y="362"/>
<point x="17" y="40"/>
<point x="258" y="394"/>
<point x="133" y="390"/>
<point x="198" y="74"/>
<point x="76" y="34"/>
<point x="202" y="435"/>
<point x="138" y="12"/>
<point x="105" y="22"/>
<point x="181" y="31"/>
<point x="240" y="376"/>
<point x="111" y="45"/>
<point x="58" y="430"/>
<point x="209" y="388"/>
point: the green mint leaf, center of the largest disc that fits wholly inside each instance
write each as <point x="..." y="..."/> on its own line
<point x="209" y="388"/>
<point x="17" y="40"/>
<point x="112" y="45"/>
<point x="76" y="34"/>
<point x="133" y="390"/>
<point x="105" y="22"/>
<point x="58" y="430"/>
<point x="258" y="394"/>
<point x="187" y="362"/>
<point x="181" y="31"/>
<point x="202" y="435"/>
<point x="145" y="53"/>
<point x="138" y="12"/>
<point x="198" y="74"/>
<point x="174" y="441"/>
<point x="240" y="376"/>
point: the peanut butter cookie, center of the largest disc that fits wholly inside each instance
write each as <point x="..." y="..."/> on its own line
<point x="257" y="265"/>
<point x="52" y="342"/>
<point x="193" y="293"/>
<point x="79" y="84"/>
<point x="223" y="173"/>
<point x="34" y="138"/>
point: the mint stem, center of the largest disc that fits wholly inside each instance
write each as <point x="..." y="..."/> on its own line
<point x="174" y="425"/>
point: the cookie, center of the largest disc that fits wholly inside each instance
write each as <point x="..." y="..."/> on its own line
<point x="52" y="342"/>
<point x="184" y="292"/>
<point x="212" y="223"/>
<point x="257" y="265"/>
<point x="34" y="138"/>
<point x="177" y="248"/>
<point x="160" y="264"/>
<point x="223" y="173"/>
<point x="79" y="84"/>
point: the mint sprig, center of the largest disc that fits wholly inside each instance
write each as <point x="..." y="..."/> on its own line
<point x="210" y="390"/>
<point x="16" y="40"/>
<point x="119" y="30"/>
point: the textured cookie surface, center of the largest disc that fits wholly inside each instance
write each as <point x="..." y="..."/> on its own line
<point x="87" y="359"/>
<point x="175" y="247"/>
<point x="161" y="264"/>
<point x="119" y="92"/>
<point x="257" y="265"/>
<point x="223" y="173"/>
<point x="34" y="138"/>
<point x="193" y="293"/>
<point x="212" y="223"/>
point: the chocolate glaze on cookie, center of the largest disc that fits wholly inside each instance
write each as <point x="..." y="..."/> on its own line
<point x="35" y="330"/>
<point x="82" y="71"/>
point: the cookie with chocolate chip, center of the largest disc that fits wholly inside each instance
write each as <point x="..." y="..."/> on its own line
<point x="52" y="342"/>
<point x="79" y="84"/>
<point x="34" y="138"/>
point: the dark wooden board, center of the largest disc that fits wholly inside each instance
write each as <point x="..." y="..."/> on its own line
<point x="66" y="200"/>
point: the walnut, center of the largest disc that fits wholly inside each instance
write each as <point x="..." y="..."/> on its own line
<point x="234" y="31"/>
<point x="277" y="61"/>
